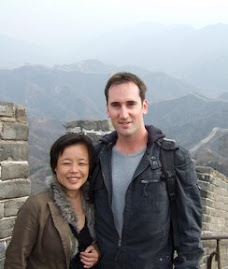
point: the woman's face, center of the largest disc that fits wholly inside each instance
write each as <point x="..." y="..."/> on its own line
<point x="73" y="168"/>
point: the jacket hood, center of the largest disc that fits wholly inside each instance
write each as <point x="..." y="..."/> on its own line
<point x="154" y="134"/>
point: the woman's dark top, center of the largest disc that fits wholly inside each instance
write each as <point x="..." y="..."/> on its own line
<point x="84" y="239"/>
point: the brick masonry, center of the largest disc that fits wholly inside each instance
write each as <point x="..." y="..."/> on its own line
<point x="214" y="193"/>
<point x="15" y="186"/>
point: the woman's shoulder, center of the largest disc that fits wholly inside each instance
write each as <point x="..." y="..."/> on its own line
<point x="35" y="204"/>
<point x="39" y="198"/>
<point x="45" y="193"/>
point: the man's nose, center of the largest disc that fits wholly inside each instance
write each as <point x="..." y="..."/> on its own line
<point x="123" y="112"/>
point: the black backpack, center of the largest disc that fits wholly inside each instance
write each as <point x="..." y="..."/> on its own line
<point x="167" y="148"/>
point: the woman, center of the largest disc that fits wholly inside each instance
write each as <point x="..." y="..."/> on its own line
<point x="54" y="229"/>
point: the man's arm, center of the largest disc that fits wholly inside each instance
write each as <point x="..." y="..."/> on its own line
<point x="188" y="213"/>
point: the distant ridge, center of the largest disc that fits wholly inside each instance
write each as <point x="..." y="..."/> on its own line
<point x="76" y="91"/>
<point x="198" y="56"/>
<point x="56" y="95"/>
<point x="189" y="118"/>
<point x="213" y="150"/>
<point x="215" y="131"/>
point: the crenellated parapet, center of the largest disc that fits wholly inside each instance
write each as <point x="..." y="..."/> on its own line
<point x="15" y="186"/>
<point x="95" y="129"/>
<point x="214" y="193"/>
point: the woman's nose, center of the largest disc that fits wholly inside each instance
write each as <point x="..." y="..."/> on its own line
<point x="74" y="168"/>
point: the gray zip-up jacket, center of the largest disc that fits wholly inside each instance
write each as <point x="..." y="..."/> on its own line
<point x="147" y="238"/>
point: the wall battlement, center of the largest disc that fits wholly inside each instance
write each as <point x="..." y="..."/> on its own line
<point x="15" y="186"/>
<point x="214" y="193"/>
<point x="14" y="169"/>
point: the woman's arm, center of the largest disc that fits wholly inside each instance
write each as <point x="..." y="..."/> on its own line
<point x="23" y="237"/>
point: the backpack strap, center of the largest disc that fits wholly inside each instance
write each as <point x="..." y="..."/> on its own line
<point x="167" y="148"/>
<point x="168" y="167"/>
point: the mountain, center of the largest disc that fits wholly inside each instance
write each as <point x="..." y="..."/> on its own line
<point x="190" y="118"/>
<point x="89" y="66"/>
<point x="213" y="150"/>
<point x="224" y="96"/>
<point x="56" y="95"/>
<point x="42" y="134"/>
<point x="68" y="94"/>
<point x="198" y="56"/>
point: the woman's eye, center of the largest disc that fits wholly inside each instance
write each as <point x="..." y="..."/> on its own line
<point x="82" y="164"/>
<point x="66" y="163"/>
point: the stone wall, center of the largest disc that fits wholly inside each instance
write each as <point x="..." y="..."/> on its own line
<point x="214" y="192"/>
<point x="14" y="170"/>
<point x="94" y="129"/>
<point x="15" y="185"/>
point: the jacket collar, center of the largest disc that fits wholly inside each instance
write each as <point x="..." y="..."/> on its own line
<point x="154" y="134"/>
<point x="66" y="210"/>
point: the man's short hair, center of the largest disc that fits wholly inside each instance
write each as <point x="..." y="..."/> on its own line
<point x="125" y="77"/>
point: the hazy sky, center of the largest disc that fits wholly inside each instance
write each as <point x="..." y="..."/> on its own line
<point x="50" y="21"/>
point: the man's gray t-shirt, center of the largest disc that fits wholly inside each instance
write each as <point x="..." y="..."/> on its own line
<point x="123" y="168"/>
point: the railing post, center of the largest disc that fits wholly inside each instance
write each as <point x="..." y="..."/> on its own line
<point x="210" y="259"/>
<point x="218" y="254"/>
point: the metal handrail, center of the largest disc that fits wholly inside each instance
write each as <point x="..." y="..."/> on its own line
<point x="215" y="253"/>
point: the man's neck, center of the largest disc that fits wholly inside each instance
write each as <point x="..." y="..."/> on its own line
<point x="132" y="144"/>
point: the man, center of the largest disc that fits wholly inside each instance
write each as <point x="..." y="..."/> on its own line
<point x="132" y="206"/>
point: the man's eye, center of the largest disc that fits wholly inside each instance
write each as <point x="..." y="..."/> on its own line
<point x="131" y="104"/>
<point x="115" y="105"/>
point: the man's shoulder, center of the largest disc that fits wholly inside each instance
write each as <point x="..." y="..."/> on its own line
<point x="181" y="154"/>
<point x="167" y="143"/>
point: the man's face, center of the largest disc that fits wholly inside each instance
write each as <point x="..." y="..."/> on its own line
<point x="126" y="109"/>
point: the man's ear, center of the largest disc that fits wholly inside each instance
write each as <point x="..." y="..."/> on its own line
<point x="145" y="107"/>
